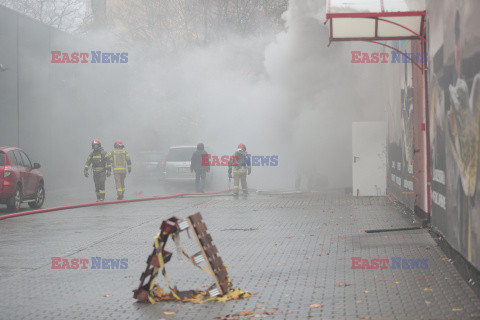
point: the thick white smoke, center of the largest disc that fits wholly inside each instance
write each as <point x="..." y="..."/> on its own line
<point x="290" y="96"/>
<point x="320" y="93"/>
<point x="284" y="94"/>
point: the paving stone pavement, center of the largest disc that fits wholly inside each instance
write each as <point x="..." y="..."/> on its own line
<point x="292" y="251"/>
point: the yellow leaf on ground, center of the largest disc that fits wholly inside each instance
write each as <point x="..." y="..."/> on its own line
<point x="248" y="312"/>
<point x="169" y="312"/>
<point x="427" y="289"/>
<point x="457" y="309"/>
<point x="366" y="291"/>
<point x="316" y="306"/>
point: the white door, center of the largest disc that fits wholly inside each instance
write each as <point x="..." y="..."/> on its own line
<point x="369" y="169"/>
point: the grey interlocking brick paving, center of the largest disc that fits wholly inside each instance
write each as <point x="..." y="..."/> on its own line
<point x="290" y="250"/>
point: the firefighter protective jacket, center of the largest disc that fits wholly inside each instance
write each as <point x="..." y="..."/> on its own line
<point x="240" y="162"/>
<point x="119" y="160"/>
<point x="99" y="161"/>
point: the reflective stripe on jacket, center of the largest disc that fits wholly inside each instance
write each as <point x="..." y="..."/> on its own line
<point x="119" y="159"/>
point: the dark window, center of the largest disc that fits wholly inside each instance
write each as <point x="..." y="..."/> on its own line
<point x="13" y="159"/>
<point x="180" y="154"/>
<point x="19" y="158"/>
<point x="2" y="159"/>
<point x="26" y="160"/>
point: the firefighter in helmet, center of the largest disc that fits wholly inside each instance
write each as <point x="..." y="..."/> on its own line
<point x="120" y="161"/>
<point x="100" y="167"/>
<point x="240" y="163"/>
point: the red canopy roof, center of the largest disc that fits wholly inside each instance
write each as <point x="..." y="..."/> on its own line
<point x="352" y="20"/>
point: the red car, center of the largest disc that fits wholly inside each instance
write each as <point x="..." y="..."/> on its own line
<point x="20" y="181"/>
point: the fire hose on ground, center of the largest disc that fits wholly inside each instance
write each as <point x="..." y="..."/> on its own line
<point x="83" y="205"/>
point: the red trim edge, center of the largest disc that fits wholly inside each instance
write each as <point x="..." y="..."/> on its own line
<point x="376" y="14"/>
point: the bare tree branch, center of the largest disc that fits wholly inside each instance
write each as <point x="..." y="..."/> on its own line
<point x="66" y="15"/>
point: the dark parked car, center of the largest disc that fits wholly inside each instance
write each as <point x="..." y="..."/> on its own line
<point x="20" y="180"/>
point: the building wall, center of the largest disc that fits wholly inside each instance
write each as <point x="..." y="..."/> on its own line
<point x="400" y="144"/>
<point x="52" y="111"/>
<point x="454" y="112"/>
<point x="448" y="100"/>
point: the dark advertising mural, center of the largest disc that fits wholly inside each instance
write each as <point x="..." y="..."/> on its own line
<point x="400" y="133"/>
<point x="454" y="109"/>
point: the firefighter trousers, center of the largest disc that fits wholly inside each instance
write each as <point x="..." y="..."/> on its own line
<point x="237" y="177"/>
<point x="120" y="183"/>
<point x="99" y="180"/>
